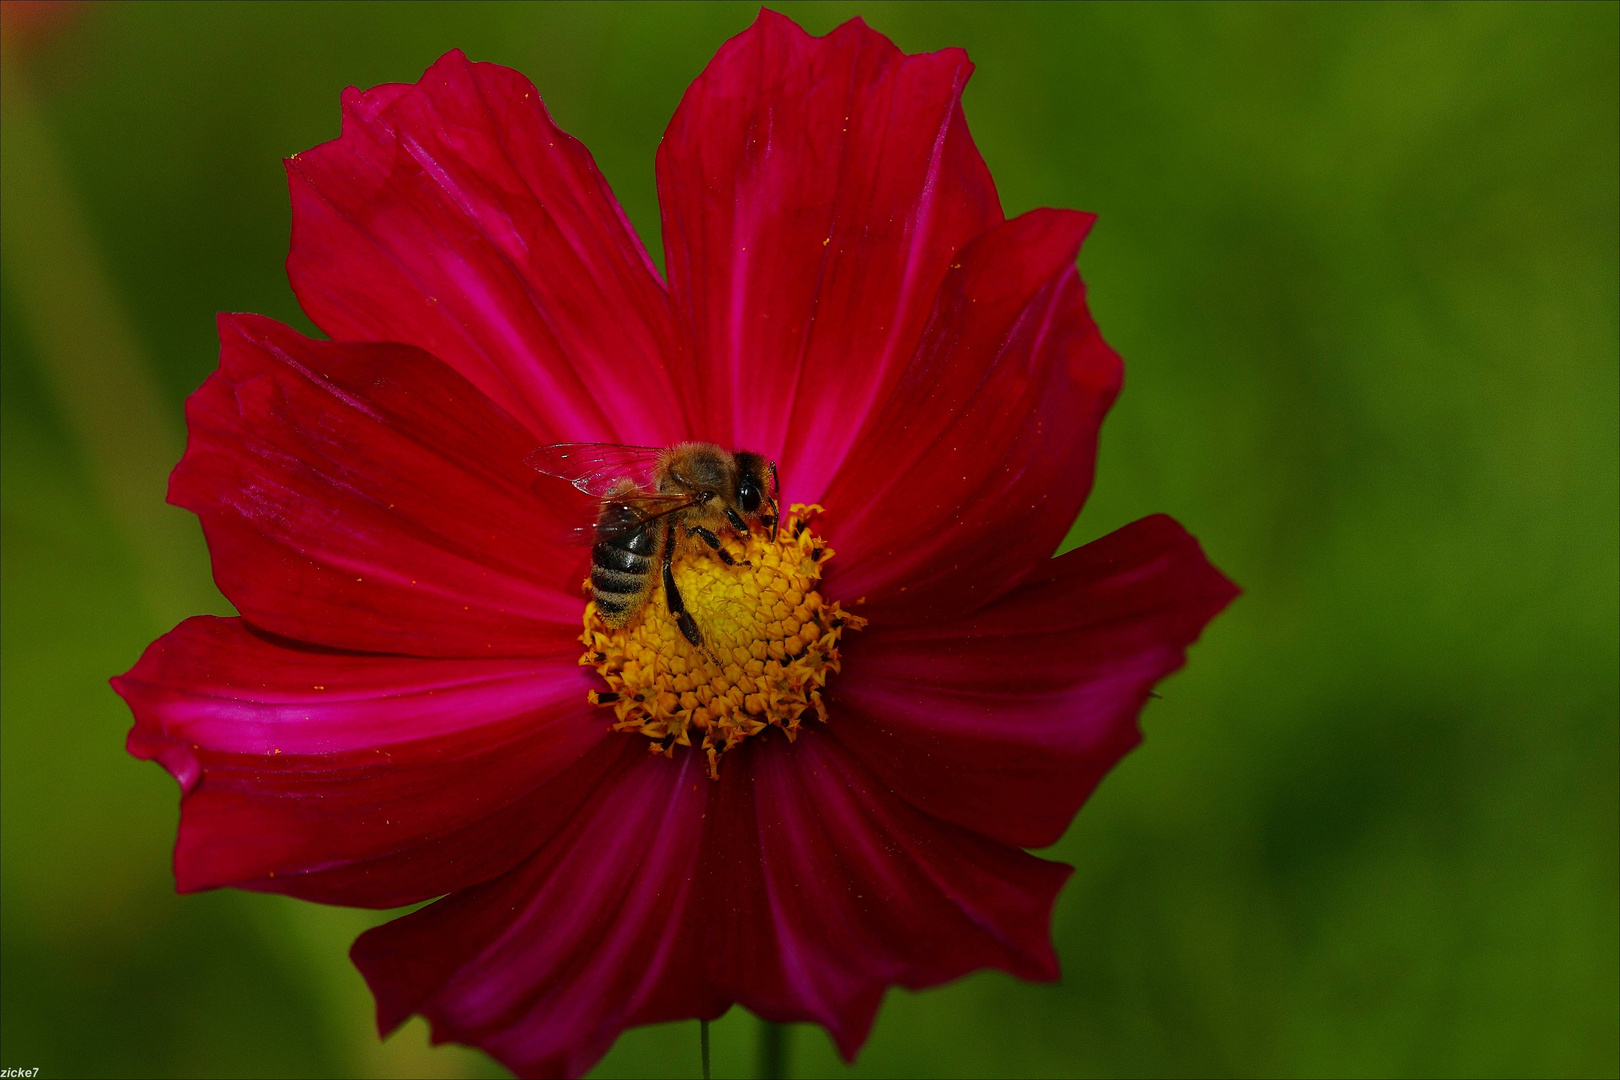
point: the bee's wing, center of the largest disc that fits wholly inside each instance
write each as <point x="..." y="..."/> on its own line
<point x="627" y="512"/>
<point x="596" y="468"/>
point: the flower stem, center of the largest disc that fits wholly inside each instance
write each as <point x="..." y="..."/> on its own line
<point x="703" y="1041"/>
<point x="773" y="1050"/>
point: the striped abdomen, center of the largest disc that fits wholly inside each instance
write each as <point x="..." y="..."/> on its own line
<point x="622" y="562"/>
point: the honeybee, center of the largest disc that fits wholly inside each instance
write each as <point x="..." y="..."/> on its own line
<point x="652" y="500"/>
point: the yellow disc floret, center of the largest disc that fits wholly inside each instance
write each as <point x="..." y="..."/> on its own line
<point x="769" y="643"/>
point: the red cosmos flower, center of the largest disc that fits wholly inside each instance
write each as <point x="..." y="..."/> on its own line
<point x="401" y="712"/>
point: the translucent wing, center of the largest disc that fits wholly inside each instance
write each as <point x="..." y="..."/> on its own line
<point x="596" y="468"/>
<point x="626" y="513"/>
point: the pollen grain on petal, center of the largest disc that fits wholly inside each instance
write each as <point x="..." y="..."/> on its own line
<point x="769" y="642"/>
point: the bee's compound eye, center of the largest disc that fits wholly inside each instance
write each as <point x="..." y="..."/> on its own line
<point x="748" y="494"/>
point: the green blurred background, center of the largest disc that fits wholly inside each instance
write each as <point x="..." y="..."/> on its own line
<point x="1361" y="262"/>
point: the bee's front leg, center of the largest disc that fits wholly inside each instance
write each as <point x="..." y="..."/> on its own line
<point x="714" y="542"/>
<point x="672" y="596"/>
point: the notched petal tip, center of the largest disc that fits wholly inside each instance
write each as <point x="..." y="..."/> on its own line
<point x="366" y="496"/>
<point x="1207" y="589"/>
<point x="994" y="419"/>
<point x="817" y="184"/>
<point x="179" y="760"/>
<point x="1005" y="721"/>
<point x="453" y="214"/>
<point x="351" y="778"/>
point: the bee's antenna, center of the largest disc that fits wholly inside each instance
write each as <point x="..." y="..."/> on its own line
<point x="776" y="506"/>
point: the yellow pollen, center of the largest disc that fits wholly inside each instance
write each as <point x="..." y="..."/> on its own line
<point x="769" y="643"/>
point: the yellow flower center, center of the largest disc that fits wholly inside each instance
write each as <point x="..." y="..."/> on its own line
<point x="769" y="643"/>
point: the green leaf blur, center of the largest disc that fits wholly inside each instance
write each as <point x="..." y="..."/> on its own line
<point x="1361" y="262"/>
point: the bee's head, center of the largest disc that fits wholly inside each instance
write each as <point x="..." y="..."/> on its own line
<point x="756" y="487"/>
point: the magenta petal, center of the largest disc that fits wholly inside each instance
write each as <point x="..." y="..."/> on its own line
<point x="545" y="966"/>
<point x="350" y="778"/>
<point x="814" y="889"/>
<point x="821" y="888"/>
<point x="453" y="215"/>
<point x="973" y="471"/>
<point x="814" y="191"/>
<point x="1005" y="722"/>
<point x="368" y="497"/>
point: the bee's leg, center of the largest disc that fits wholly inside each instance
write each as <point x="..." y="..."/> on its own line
<point x="672" y="596"/>
<point x="714" y="542"/>
<point x="776" y="510"/>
